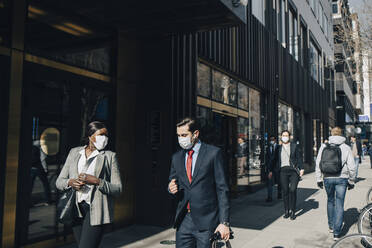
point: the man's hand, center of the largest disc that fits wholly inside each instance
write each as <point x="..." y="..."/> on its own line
<point x="88" y="179"/>
<point x="173" y="188"/>
<point x="350" y="185"/>
<point x="302" y="172"/>
<point x="76" y="184"/>
<point x="320" y="184"/>
<point x="270" y="175"/>
<point x="224" y="231"/>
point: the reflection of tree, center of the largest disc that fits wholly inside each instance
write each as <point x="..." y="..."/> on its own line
<point x="89" y="100"/>
<point x="225" y="85"/>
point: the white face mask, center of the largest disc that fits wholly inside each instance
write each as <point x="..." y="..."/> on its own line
<point x="101" y="142"/>
<point x="185" y="142"/>
<point x="285" y="139"/>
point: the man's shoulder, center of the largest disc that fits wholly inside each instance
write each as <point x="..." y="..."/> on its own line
<point x="211" y="148"/>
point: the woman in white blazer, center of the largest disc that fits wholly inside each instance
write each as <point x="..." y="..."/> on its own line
<point x="94" y="173"/>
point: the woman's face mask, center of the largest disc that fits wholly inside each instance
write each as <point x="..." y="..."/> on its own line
<point x="101" y="142"/>
<point x="285" y="139"/>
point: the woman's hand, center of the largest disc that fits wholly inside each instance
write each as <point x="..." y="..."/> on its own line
<point x="302" y="172"/>
<point x="88" y="179"/>
<point x="75" y="184"/>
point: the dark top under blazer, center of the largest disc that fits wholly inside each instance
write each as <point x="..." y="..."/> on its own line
<point x="272" y="159"/>
<point x="295" y="157"/>
<point x="208" y="192"/>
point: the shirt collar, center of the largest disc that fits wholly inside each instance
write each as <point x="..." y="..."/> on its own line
<point x="197" y="146"/>
<point x="94" y="153"/>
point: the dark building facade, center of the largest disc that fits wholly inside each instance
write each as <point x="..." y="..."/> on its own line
<point x="139" y="68"/>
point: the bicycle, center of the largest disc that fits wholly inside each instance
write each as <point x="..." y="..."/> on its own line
<point x="365" y="224"/>
<point x="369" y="196"/>
<point x="353" y="240"/>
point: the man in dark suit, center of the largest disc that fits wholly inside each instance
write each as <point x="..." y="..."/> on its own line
<point x="197" y="179"/>
<point x="272" y="169"/>
<point x="291" y="171"/>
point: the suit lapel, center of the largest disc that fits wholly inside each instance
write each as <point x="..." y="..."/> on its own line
<point x="181" y="162"/>
<point x="99" y="163"/>
<point x="201" y="155"/>
<point x="76" y="162"/>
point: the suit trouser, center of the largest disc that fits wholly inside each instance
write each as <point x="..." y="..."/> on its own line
<point x="188" y="235"/>
<point x="289" y="182"/>
<point x="86" y="235"/>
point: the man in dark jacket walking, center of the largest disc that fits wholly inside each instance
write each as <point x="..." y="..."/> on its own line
<point x="197" y="179"/>
<point x="272" y="169"/>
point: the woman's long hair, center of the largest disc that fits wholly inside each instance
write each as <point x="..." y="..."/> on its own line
<point x="91" y="129"/>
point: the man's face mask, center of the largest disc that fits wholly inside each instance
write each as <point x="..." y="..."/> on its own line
<point x="186" y="142"/>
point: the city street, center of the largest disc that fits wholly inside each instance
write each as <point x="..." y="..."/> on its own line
<point x="258" y="224"/>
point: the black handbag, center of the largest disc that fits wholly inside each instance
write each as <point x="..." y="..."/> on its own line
<point x="66" y="208"/>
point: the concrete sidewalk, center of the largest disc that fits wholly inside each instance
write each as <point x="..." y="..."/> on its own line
<point x="257" y="224"/>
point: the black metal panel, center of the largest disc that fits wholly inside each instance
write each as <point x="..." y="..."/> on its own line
<point x="184" y="56"/>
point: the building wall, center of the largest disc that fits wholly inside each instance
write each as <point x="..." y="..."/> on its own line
<point x="367" y="78"/>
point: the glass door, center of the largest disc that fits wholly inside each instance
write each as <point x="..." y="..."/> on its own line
<point x="56" y="110"/>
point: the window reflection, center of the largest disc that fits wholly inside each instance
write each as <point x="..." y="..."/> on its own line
<point x="224" y="88"/>
<point x="5" y="20"/>
<point x="255" y="136"/>
<point x="285" y="118"/>
<point x="204" y="80"/>
<point x="243" y="96"/>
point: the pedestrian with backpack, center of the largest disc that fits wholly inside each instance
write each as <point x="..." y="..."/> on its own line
<point x="335" y="167"/>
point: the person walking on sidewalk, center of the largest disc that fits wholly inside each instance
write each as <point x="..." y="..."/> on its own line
<point x="197" y="180"/>
<point x="335" y="167"/>
<point x="291" y="171"/>
<point x="272" y="169"/>
<point x="356" y="148"/>
<point x="370" y="154"/>
<point x="94" y="173"/>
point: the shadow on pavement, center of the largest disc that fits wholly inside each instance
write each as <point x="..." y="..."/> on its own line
<point x="307" y="206"/>
<point x="251" y="212"/>
<point x="350" y="218"/>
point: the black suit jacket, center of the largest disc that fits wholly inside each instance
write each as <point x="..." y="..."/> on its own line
<point x="295" y="157"/>
<point x="208" y="192"/>
<point x="272" y="159"/>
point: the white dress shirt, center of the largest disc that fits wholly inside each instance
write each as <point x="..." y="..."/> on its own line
<point x="87" y="166"/>
<point x="196" y="149"/>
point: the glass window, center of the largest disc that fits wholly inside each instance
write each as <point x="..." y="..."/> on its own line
<point x="5" y="22"/>
<point x="224" y="88"/>
<point x="285" y="118"/>
<point x="255" y="135"/>
<point x="303" y="44"/>
<point x="314" y="61"/>
<point x="335" y="8"/>
<point x="242" y="152"/>
<point x="283" y="22"/>
<point x="204" y="80"/>
<point x="53" y="109"/>
<point x="291" y="33"/>
<point x="243" y="96"/>
<point x="258" y="10"/>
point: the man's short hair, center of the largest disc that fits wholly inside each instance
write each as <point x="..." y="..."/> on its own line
<point x="190" y="122"/>
<point x="272" y="136"/>
<point x="336" y="131"/>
